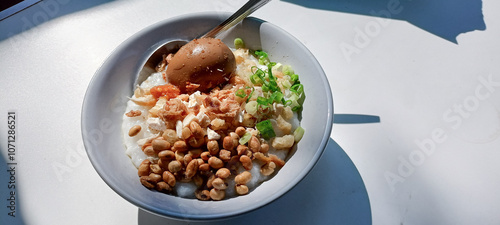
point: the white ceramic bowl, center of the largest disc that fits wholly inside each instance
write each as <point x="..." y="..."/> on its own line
<point x="106" y="96"/>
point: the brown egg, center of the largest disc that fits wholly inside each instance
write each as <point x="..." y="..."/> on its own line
<point x="201" y="65"/>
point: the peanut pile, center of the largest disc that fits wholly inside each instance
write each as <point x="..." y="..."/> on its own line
<point x="207" y="163"/>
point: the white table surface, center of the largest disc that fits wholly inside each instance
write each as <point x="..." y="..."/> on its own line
<point x="429" y="74"/>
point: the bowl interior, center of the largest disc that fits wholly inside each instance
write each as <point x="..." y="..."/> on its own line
<point x="106" y="98"/>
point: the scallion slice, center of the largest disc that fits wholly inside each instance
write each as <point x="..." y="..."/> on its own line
<point x="266" y="129"/>
<point x="238" y="43"/>
<point x="298" y="134"/>
<point x="245" y="138"/>
<point x="240" y="93"/>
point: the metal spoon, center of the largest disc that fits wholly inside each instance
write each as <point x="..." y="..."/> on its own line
<point x="172" y="46"/>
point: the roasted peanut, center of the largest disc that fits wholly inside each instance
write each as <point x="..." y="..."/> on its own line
<point x="166" y="155"/>
<point x="279" y="162"/>
<point x="180" y="146"/>
<point x="217" y="194"/>
<point x="155" y="177"/>
<point x="179" y="156"/>
<point x="169" y="178"/>
<point x="144" y="169"/>
<point x="204" y="167"/>
<point x="268" y="168"/>
<point x="240" y="131"/>
<point x="170" y="135"/>
<point x="145" y="145"/>
<point x="243" y="177"/>
<point x="196" y="129"/>
<point x="174" y="166"/>
<point x="196" y="142"/>
<point x="155" y="168"/>
<point x="264" y="148"/>
<point x="191" y="168"/>
<point x="225" y="155"/>
<point x="134" y="130"/>
<point x="254" y="144"/>
<point x="215" y="162"/>
<point x="163" y="187"/>
<point x="195" y="153"/>
<point x="241" y="189"/>
<point x="147" y="181"/>
<point x="205" y="156"/>
<point x="246" y="162"/>
<point x="235" y="139"/>
<point x="260" y="156"/>
<point x="223" y="173"/>
<point x="210" y="179"/>
<point x="160" y="145"/>
<point x="219" y="184"/>
<point x="203" y="195"/>
<point x="186" y="133"/>
<point x="241" y="149"/>
<point x="149" y="151"/>
<point x="187" y="159"/>
<point x="213" y="147"/>
<point x="227" y="143"/>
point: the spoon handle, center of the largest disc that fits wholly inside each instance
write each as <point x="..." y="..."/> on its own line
<point x="238" y="16"/>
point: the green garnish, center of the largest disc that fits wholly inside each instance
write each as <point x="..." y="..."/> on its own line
<point x="240" y="93"/>
<point x="298" y="134"/>
<point x="287" y="70"/>
<point x="297" y="88"/>
<point x="262" y="56"/>
<point x="238" y="43"/>
<point x="245" y="138"/>
<point x="251" y="93"/>
<point x="266" y="129"/>
<point x="294" y="78"/>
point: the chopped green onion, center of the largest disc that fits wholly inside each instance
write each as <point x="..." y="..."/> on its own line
<point x="277" y="97"/>
<point x="296" y="108"/>
<point x="238" y="43"/>
<point x="251" y="107"/>
<point x="286" y="84"/>
<point x="263" y="57"/>
<point x="240" y="93"/>
<point x="293" y="97"/>
<point x="297" y="88"/>
<point x="298" y="134"/>
<point x="251" y="93"/>
<point x="278" y="67"/>
<point x="287" y="70"/>
<point x="255" y="79"/>
<point x="245" y="138"/>
<point x="266" y="129"/>
<point x="262" y="101"/>
<point x="294" y="78"/>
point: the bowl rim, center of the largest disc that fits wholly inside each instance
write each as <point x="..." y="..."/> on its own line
<point x="182" y="216"/>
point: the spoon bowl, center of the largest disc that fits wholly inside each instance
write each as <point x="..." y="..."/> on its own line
<point x="105" y="103"/>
